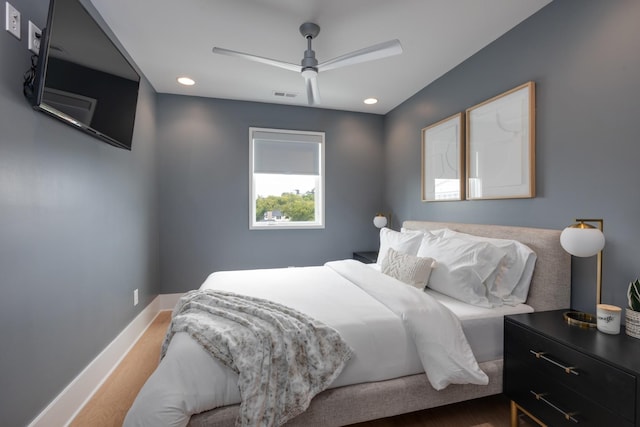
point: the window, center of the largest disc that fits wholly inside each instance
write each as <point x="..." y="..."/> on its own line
<point x="287" y="179"/>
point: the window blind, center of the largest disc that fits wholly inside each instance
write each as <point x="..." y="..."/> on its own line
<point x="282" y="153"/>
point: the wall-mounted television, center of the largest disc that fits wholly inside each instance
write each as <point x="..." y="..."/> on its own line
<point x="82" y="77"/>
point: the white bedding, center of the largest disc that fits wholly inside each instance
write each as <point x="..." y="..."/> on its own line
<point x="380" y="318"/>
<point x="483" y="327"/>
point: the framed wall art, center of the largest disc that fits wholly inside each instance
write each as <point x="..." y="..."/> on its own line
<point x="500" y="146"/>
<point x="443" y="160"/>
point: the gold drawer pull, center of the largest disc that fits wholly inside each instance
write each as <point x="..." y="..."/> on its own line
<point x="569" y="416"/>
<point x="566" y="369"/>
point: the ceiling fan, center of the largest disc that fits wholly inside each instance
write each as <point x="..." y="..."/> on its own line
<point x="309" y="66"/>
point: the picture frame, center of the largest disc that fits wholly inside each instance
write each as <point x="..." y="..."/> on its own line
<point x="443" y="160"/>
<point x="500" y="146"/>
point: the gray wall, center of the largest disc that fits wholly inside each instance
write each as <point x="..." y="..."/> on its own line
<point x="78" y="233"/>
<point x="584" y="57"/>
<point x="204" y="180"/>
<point x="82" y="223"/>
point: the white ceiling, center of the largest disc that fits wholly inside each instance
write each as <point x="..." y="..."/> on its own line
<point x="168" y="39"/>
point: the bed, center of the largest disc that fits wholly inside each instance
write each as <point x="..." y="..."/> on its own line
<point x="351" y="401"/>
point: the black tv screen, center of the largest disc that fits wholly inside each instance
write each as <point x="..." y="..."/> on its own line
<point x="83" y="78"/>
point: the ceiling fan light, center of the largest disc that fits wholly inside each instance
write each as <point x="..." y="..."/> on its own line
<point x="309" y="73"/>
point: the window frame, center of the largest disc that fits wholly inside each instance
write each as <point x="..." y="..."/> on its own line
<point x="319" y="195"/>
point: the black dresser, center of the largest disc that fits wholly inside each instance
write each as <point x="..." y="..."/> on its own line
<point x="563" y="375"/>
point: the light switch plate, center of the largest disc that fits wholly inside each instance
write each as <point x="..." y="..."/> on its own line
<point x="34" y="37"/>
<point x="12" y="20"/>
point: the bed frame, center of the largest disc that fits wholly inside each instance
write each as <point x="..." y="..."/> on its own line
<point x="550" y="290"/>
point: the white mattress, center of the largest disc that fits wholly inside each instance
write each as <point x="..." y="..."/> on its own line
<point x="484" y="327"/>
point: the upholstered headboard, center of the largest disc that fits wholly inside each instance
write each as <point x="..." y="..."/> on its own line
<point x="551" y="282"/>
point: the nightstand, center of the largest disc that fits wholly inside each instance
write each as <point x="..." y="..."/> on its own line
<point x="563" y="375"/>
<point x="366" y="257"/>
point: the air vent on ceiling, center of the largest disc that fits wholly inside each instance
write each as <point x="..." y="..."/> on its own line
<point x="283" y="94"/>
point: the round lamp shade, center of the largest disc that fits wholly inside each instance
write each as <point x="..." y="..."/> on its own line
<point x="582" y="240"/>
<point x="379" y="221"/>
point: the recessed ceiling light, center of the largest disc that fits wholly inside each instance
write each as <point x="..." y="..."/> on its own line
<point x="370" y="101"/>
<point x="186" y="81"/>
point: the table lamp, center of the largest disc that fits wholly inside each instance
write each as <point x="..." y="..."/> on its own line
<point x="380" y="220"/>
<point x="584" y="240"/>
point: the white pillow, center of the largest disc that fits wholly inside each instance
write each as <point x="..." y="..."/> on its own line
<point x="438" y="232"/>
<point x="407" y="242"/>
<point x="462" y="268"/>
<point x="510" y="282"/>
<point x="409" y="269"/>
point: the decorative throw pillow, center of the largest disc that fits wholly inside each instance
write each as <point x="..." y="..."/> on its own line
<point x="407" y="242"/>
<point x="412" y="270"/>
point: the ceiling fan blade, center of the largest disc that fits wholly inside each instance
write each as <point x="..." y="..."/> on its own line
<point x="274" y="62"/>
<point x="311" y="82"/>
<point x="378" y="51"/>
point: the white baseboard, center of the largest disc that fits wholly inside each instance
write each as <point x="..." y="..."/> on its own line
<point x="64" y="408"/>
<point x="168" y="301"/>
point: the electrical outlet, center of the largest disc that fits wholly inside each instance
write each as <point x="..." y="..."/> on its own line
<point x="34" y="38"/>
<point x="135" y="297"/>
<point x="12" y="20"/>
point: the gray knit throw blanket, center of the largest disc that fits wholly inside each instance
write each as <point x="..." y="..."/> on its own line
<point x="283" y="358"/>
